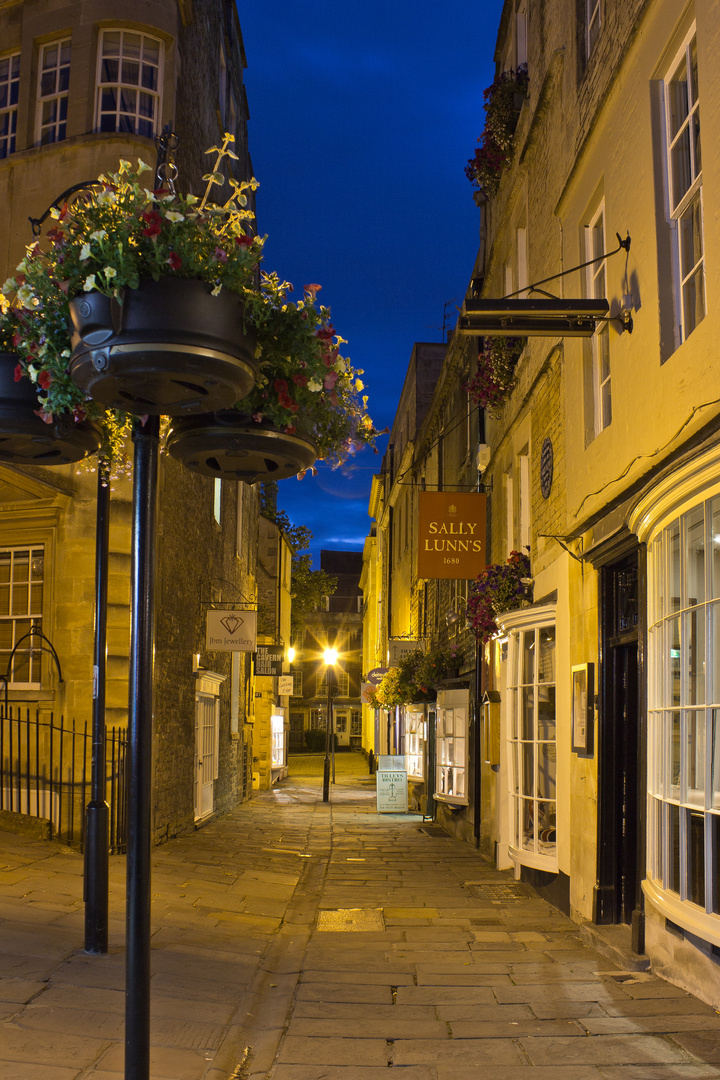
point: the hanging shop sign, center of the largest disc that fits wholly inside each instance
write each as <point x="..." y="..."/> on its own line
<point x="269" y="660"/>
<point x="398" y="648"/>
<point x="230" y="631"/>
<point x="285" y="686"/>
<point x="451" y="534"/>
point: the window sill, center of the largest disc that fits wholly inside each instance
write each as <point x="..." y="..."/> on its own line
<point x="683" y="912"/>
<point x="451" y="800"/>
<point x="534" y="859"/>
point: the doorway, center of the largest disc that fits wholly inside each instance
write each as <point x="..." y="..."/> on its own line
<point x="621" y="809"/>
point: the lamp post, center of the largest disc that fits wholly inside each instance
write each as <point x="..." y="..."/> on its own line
<point x="330" y="657"/>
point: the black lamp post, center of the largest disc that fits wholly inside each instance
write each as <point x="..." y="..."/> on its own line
<point x="330" y="658"/>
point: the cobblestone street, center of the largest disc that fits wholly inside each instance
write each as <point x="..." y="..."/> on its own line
<point x="296" y="940"/>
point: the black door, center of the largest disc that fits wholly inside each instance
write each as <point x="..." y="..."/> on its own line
<point x="620" y="812"/>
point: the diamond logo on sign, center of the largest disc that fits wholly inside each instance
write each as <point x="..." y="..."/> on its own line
<point x="231" y="631"/>
<point x="231" y="623"/>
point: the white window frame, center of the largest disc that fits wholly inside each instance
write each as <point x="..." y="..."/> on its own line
<point x="9" y="93"/>
<point x="452" y="739"/>
<point x="541" y="853"/>
<point x="120" y="85"/>
<point x="53" y="128"/>
<point x="596" y="289"/>
<point x="415" y="739"/>
<point x="685" y="207"/>
<point x="297" y="677"/>
<point x="217" y="499"/>
<point x="20" y="622"/>
<point x="593" y="24"/>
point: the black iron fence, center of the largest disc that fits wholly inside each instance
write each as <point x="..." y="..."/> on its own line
<point x="45" y="773"/>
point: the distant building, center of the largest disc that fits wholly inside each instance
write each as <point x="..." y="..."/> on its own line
<point x="337" y="624"/>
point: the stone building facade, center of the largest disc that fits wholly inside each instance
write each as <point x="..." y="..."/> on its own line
<point x="592" y="767"/>
<point x="81" y="86"/>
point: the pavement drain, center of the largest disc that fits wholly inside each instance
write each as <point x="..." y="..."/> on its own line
<point x="351" y="919"/>
<point x="513" y="891"/>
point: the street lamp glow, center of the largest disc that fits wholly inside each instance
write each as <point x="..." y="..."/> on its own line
<point x="330" y="656"/>
<point x="290" y="654"/>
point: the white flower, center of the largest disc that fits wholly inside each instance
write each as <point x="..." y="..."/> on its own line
<point x="85" y="252"/>
<point x="32" y="373"/>
<point x="89" y="283"/>
<point x="142" y="167"/>
<point x="107" y="198"/>
<point x="110" y="272"/>
<point x="98" y="235"/>
<point x="314" y="385"/>
<point x="173" y="215"/>
<point x="26" y="296"/>
<point x="216" y="290"/>
<point x="55" y="213"/>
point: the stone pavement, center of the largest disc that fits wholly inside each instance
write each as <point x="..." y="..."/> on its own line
<point x="296" y="940"/>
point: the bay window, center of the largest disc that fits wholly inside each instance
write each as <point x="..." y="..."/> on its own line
<point x="129" y="83"/>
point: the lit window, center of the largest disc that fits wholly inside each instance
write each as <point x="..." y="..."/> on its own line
<point x="684" y="187"/>
<point x="415" y="739"/>
<point x="684" y="713"/>
<point x="533" y="776"/>
<point x="129" y="77"/>
<point x="53" y="85"/>
<point x="596" y="287"/>
<point x="9" y="86"/>
<point x="451" y="733"/>
<point x="21" y="607"/>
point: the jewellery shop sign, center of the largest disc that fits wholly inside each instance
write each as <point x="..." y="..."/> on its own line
<point x="451" y="534"/>
<point x="230" y="631"/>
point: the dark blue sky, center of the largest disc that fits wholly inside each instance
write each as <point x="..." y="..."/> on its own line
<point x="362" y="118"/>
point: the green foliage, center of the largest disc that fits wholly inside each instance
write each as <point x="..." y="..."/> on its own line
<point x="495" y="377"/>
<point x="315" y="739"/>
<point x="497" y="588"/>
<point x="502" y="106"/>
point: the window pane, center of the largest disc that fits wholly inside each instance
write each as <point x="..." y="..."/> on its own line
<point x="528" y="671"/>
<point x="673" y="542"/>
<point x="546" y="662"/>
<point x="695" y="757"/>
<point x="528" y="714"/>
<point x="695" y="644"/>
<point x="673" y="868"/>
<point x="716" y="760"/>
<point x="546" y="771"/>
<point x="674" y="667"/>
<point x="681" y="166"/>
<point x="715" y="541"/>
<point x="546" y="823"/>
<point x="546" y="712"/>
<point x="678" y="98"/>
<point x="695" y="556"/>
<point x="694" y="300"/>
<point x="696" y="858"/>
<point x="675" y="755"/>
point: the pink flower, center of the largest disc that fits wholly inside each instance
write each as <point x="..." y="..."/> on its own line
<point x="330" y="379"/>
<point x="221" y="255"/>
<point x="312" y="290"/>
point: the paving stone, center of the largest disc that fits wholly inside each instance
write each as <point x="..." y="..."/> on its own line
<point x="514" y="1029"/>
<point x="428" y="995"/>
<point x="385" y="1027"/>
<point x="17" y="1070"/>
<point x="468" y="1052"/>
<point x="46" y="1048"/>
<point x="668" y="1023"/>
<point x="703" y="1044"/>
<point x="345" y="1051"/>
<point x="344" y="1072"/>
<point x="603" y="1050"/>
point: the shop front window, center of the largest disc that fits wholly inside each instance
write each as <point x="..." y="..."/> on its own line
<point x="684" y="717"/>
<point x="451" y="732"/>
<point x="532" y="745"/>
<point x="415" y="739"/>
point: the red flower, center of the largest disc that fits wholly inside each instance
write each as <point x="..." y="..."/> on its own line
<point x="18" y="373"/>
<point x="326" y="333"/>
<point x="244" y="241"/>
<point x="46" y="417"/>
<point x="153" y="222"/>
<point x="79" y="414"/>
<point x="44" y="380"/>
<point x="174" y="260"/>
<point x="300" y="379"/>
<point x="290" y="429"/>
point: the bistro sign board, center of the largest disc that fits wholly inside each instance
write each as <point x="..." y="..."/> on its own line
<point x="230" y="631"/>
<point x="451" y="540"/>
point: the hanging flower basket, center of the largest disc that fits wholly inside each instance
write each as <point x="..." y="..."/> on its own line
<point x="231" y="446"/>
<point x="25" y="439"/>
<point x="170" y="346"/>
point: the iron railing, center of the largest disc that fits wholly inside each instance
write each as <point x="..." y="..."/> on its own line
<point x="45" y="773"/>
